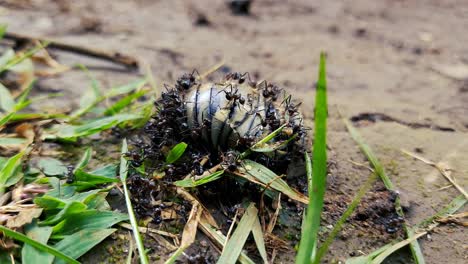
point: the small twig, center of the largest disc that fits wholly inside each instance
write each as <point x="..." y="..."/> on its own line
<point x="115" y="57"/>
<point x="211" y="70"/>
<point x="361" y="165"/>
<point x="443" y="169"/>
<point x="272" y="223"/>
<point x="234" y="219"/>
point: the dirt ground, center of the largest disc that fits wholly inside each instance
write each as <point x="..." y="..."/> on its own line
<point x="390" y="69"/>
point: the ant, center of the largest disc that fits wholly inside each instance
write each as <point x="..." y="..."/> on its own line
<point x="270" y="90"/>
<point x="240" y="77"/>
<point x="187" y="81"/>
<point x="247" y="140"/>
<point x="230" y="161"/>
<point x="136" y="159"/>
<point x="233" y="95"/>
<point x="291" y="107"/>
<point x="196" y="132"/>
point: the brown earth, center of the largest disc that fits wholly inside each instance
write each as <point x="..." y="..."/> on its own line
<point x="386" y="62"/>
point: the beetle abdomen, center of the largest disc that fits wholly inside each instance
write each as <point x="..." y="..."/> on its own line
<point x="225" y="112"/>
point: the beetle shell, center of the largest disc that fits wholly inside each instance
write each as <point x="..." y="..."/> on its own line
<point x="228" y="119"/>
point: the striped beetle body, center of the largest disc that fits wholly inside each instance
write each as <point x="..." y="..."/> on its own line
<point x="234" y="111"/>
<point x="215" y="118"/>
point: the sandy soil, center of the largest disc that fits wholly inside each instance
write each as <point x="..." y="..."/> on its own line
<point x="384" y="57"/>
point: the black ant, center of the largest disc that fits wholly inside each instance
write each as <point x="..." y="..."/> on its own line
<point x="187" y="81"/>
<point x="233" y="95"/>
<point x="291" y="107"/>
<point x="136" y="159"/>
<point x="196" y="132"/>
<point x="270" y="90"/>
<point x="240" y="77"/>
<point x="230" y="161"/>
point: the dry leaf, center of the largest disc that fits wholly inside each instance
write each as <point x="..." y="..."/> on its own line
<point x="24" y="217"/>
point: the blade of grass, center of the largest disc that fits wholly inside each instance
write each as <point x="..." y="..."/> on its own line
<point x="29" y="254"/>
<point x="220" y="239"/>
<point x="235" y="244"/>
<point x="382" y="256"/>
<point x="8" y="170"/>
<point x="7" y="103"/>
<point x="204" y="180"/>
<point x="264" y="140"/>
<point x="451" y="208"/>
<point x="176" y="152"/>
<point x="124" y="102"/>
<point x="309" y="235"/>
<point x="71" y="132"/>
<point x="261" y="175"/>
<point x="380" y="171"/>
<point x="81" y="242"/>
<point x="6" y="118"/>
<point x="259" y="240"/>
<point x="20" y="237"/>
<point x="127" y="88"/>
<point x="18" y="59"/>
<point x="339" y="224"/>
<point x="3" y="29"/>
<point x="133" y="221"/>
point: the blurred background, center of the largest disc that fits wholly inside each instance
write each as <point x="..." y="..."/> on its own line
<point x="396" y="68"/>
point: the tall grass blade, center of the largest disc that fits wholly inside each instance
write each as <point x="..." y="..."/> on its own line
<point x="29" y="254"/>
<point x="20" y="237"/>
<point x="451" y="208"/>
<point x="18" y="59"/>
<point x="220" y="239"/>
<point x="380" y="171"/>
<point x="339" y="224"/>
<point x="309" y="235"/>
<point x="81" y="242"/>
<point x="133" y="221"/>
<point x="235" y="244"/>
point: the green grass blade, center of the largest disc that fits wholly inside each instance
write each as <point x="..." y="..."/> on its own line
<point x="81" y="242"/>
<point x="264" y="140"/>
<point x="29" y="254"/>
<point x="84" y="159"/>
<point x="89" y="219"/>
<point x="7" y="102"/>
<point x="235" y="244"/>
<point x="18" y="59"/>
<point x="3" y="28"/>
<point x="451" y="208"/>
<point x="20" y="237"/>
<point x="257" y="233"/>
<point x="6" y="118"/>
<point x="259" y="174"/>
<point x="309" y="235"/>
<point x="339" y="224"/>
<point x="124" y="102"/>
<point x="8" y="170"/>
<point x="71" y="132"/>
<point x="133" y="221"/>
<point x="220" y="240"/>
<point x="204" y="180"/>
<point x="176" y="152"/>
<point x="380" y="171"/>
